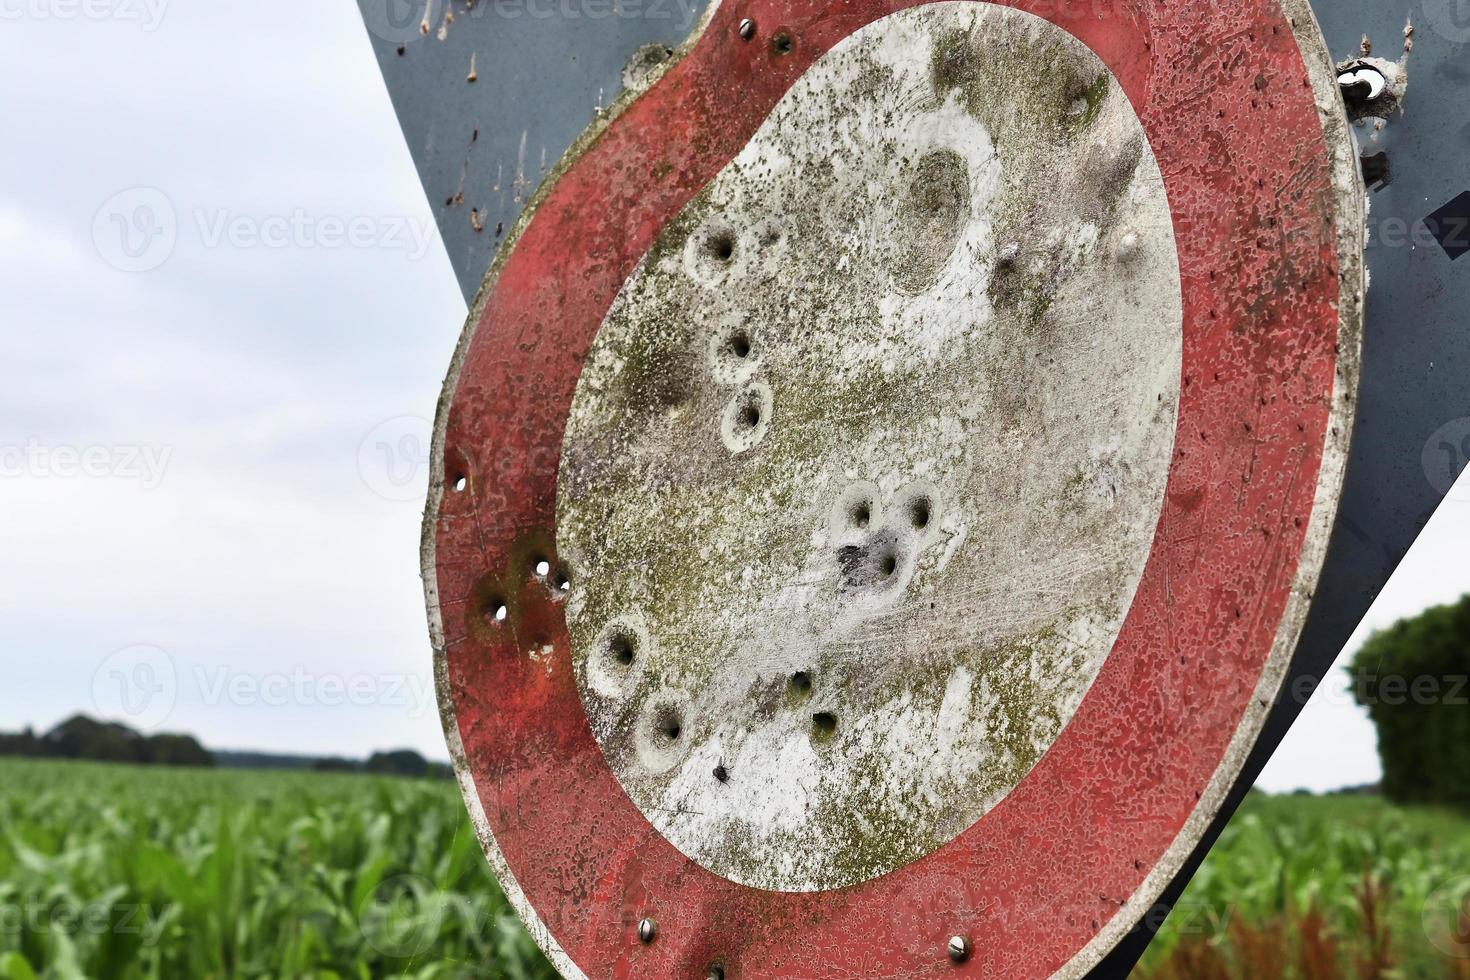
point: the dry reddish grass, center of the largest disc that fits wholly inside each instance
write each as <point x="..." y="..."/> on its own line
<point x="1301" y="947"/>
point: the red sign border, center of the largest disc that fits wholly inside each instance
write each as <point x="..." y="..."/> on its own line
<point x="1292" y="348"/>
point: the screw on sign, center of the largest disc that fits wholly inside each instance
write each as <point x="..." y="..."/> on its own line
<point x="908" y="404"/>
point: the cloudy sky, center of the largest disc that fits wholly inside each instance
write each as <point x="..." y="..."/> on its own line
<point x="225" y="319"/>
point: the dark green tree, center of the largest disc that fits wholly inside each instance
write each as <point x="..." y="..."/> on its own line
<point x="1414" y="679"/>
<point x="401" y="762"/>
<point x="177" y="750"/>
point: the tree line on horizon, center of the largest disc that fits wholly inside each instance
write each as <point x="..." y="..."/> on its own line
<point x="82" y="737"/>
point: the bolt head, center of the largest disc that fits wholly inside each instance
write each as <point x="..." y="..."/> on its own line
<point x="959" y="949"/>
<point x="647" y="930"/>
<point x="747" y="29"/>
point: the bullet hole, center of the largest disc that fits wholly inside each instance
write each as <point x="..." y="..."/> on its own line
<point x="747" y="29"/>
<point x="715" y="973"/>
<point x="1007" y="284"/>
<point x="402" y="48"/>
<point x="561" y="581"/>
<point x="801" y="683"/>
<point x="460" y="483"/>
<point x="739" y="344"/>
<point x="746" y="418"/>
<point x="920" y="513"/>
<point x="870" y="565"/>
<point x="621" y="649"/>
<point x="722" y="775"/>
<point x="1360" y="84"/>
<point x="861" y="514"/>
<point x="721" y="246"/>
<point x="781" y="44"/>
<point x="749" y="416"/>
<point x="824" y="724"/>
<point x="668" y="725"/>
<point x="542" y="567"/>
<point x="496" y="610"/>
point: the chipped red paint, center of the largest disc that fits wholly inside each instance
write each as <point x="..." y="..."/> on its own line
<point x="1225" y="98"/>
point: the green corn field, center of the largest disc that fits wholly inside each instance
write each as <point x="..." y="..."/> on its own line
<point x="114" y="871"/>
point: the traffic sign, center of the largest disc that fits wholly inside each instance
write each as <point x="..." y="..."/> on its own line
<point x="884" y="477"/>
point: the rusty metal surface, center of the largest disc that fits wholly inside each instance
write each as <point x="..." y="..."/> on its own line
<point x="1051" y="877"/>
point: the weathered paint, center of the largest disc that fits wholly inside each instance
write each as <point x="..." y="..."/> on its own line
<point x="843" y="527"/>
<point x="1055" y="874"/>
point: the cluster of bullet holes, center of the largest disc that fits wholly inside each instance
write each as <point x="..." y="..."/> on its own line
<point x="823" y="723"/>
<point x="876" y="547"/>
<point x="545" y="584"/>
<point x="734" y="362"/>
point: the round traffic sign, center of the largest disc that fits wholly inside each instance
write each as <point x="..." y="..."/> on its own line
<point x="881" y="483"/>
